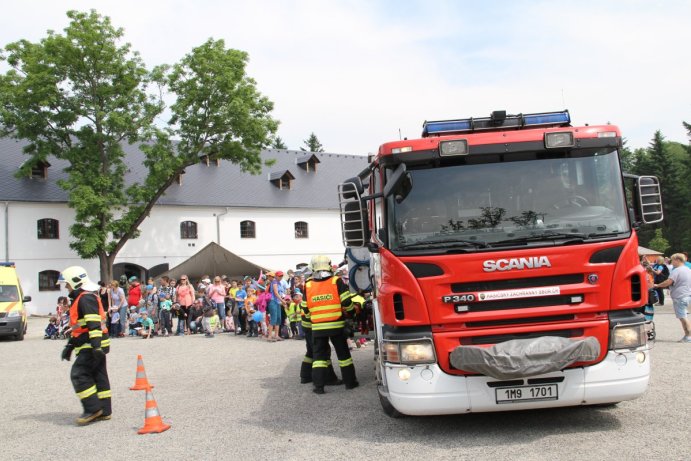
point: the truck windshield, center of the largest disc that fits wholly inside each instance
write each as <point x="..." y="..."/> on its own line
<point x="502" y="200"/>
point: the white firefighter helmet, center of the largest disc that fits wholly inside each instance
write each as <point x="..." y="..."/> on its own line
<point x="320" y="263"/>
<point x="77" y="277"/>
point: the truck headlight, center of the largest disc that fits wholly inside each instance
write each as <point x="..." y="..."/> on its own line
<point x="410" y="352"/>
<point x="14" y="313"/>
<point x="628" y="336"/>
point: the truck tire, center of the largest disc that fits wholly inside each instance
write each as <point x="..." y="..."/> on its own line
<point x="388" y="409"/>
<point x="386" y="406"/>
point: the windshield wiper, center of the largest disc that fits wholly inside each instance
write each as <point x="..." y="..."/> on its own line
<point x="445" y="242"/>
<point x="571" y="237"/>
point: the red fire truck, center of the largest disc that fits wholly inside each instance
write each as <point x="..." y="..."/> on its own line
<point x="501" y="253"/>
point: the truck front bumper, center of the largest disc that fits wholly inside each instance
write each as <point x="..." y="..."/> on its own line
<point x="622" y="375"/>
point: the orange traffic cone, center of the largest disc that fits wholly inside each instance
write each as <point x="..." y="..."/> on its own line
<point x="140" y="381"/>
<point x="152" y="418"/>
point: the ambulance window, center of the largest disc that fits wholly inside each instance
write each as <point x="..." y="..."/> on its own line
<point x="48" y="228"/>
<point x="48" y="281"/>
<point x="8" y="293"/>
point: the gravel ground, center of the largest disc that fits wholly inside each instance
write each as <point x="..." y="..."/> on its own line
<point x="232" y="397"/>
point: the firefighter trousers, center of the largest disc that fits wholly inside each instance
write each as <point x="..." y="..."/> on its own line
<point x="90" y="380"/>
<point x="322" y="355"/>
<point x="306" y="366"/>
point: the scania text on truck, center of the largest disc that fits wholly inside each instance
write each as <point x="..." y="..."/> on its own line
<point x="503" y="262"/>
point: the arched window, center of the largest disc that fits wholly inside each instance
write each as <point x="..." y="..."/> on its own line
<point x="188" y="230"/>
<point x="48" y="228"/>
<point x="47" y="280"/>
<point x="247" y="230"/>
<point x="301" y="230"/>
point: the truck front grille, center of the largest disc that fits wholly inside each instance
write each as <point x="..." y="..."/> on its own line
<point x="489" y="285"/>
<point x="521" y="303"/>
<point x="495" y="339"/>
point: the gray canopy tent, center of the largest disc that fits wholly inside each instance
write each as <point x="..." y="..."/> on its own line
<point x="212" y="260"/>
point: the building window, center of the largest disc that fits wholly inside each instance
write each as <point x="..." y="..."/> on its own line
<point x="48" y="281"/>
<point x="188" y="230"/>
<point x="247" y="230"/>
<point x="48" y="228"/>
<point x="308" y="162"/>
<point x="301" y="230"/>
<point x="281" y="179"/>
<point x="38" y="172"/>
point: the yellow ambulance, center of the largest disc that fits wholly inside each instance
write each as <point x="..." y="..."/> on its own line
<point x="12" y="309"/>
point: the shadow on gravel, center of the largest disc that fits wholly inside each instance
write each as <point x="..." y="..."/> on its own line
<point x="356" y="414"/>
<point x="55" y="418"/>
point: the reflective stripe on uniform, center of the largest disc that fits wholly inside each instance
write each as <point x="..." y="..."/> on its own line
<point x="87" y="392"/>
<point x="328" y="325"/>
<point x="92" y="318"/>
<point x="105" y="394"/>
<point x="83" y="346"/>
<point x="320" y="364"/>
<point x="307" y="359"/>
<point x="95" y="334"/>
<point x="345" y="363"/>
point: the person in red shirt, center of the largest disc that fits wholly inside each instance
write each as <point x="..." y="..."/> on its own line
<point x="134" y="292"/>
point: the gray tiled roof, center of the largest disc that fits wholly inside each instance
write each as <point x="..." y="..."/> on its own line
<point x="211" y="185"/>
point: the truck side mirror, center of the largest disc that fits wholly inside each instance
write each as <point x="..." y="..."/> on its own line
<point x="649" y="199"/>
<point x="354" y="226"/>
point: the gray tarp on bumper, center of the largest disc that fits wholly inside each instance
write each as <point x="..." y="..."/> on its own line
<point x="520" y="358"/>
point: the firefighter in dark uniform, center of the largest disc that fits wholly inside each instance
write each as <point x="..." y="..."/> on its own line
<point x="326" y="296"/>
<point x="90" y="342"/>
<point x="306" y="366"/>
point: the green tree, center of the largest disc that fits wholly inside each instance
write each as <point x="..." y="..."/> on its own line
<point x="278" y="143"/>
<point x="312" y="144"/>
<point x="80" y="95"/>
<point x="658" y="242"/>
<point x="628" y="158"/>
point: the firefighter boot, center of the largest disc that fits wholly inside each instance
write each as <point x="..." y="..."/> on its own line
<point x="331" y="378"/>
<point x="87" y="418"/>
<point x="306" y="371"/>
<point x="318" y="390"/>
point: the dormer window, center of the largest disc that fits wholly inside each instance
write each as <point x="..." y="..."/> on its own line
<point x="39" y="170"/>
<point x="206" y="160"/>
<point x="308" y="162"/>
<point x="281" y="179"/>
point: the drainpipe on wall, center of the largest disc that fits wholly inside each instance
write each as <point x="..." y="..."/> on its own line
<point x="218" y="226"/>
<point x="7" y="231"/>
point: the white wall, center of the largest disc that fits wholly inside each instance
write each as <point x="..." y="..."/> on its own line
<point x="275" y="245"/>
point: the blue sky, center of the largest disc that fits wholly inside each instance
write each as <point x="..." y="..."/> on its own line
<point x="356" y="72"/>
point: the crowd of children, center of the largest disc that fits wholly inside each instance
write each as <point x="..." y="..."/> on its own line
<point x="239" y="307"/>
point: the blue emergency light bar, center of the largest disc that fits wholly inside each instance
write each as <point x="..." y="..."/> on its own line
<point x="498" y="121"/>
<point x="7" y="264"/>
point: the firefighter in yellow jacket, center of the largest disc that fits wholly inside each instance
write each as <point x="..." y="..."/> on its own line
<point x="90" y="342"/>
<point x="327" y="296"/>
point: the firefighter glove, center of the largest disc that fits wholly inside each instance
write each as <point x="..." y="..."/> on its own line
<point x="67" y="352"/>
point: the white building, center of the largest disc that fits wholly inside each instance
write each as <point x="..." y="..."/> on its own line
<point x="277" y="219"/>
